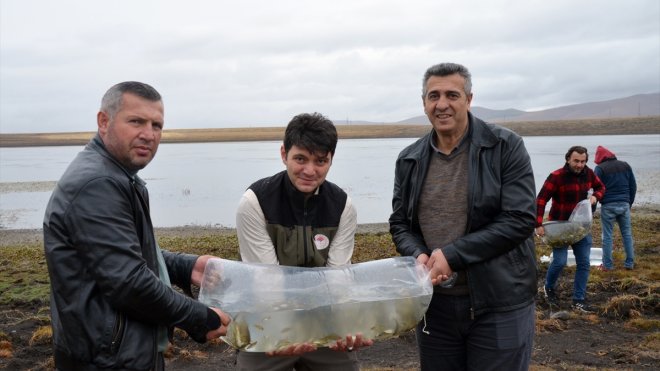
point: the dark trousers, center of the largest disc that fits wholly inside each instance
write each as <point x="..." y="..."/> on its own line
<point x="449" y="339"/>
<point x="323" y="359"/>
<point x="66" y="364"/>
<point x="160" y="362"/>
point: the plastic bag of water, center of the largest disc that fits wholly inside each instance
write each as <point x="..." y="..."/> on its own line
<point x="273" y="306"/>
<point x="577" y="227"/>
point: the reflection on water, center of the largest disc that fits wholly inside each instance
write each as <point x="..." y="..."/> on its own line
<point x="201" y="183"/>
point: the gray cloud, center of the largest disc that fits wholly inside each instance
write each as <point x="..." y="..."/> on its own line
<point x="253" y="63"/>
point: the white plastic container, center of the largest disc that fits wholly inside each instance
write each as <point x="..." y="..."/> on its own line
<point x="275" y="306"/>
<point x="595" y="257"/>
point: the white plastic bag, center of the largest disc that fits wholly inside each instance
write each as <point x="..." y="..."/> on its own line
<point x="274" y="306"/>
<point x="582" y="213"/>
<point x="577" y="227"/>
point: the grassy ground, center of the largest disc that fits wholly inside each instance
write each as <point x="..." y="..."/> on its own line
<point x="623" y="335"/>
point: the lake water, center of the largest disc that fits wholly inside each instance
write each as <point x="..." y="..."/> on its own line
<point x="201" y="183"/>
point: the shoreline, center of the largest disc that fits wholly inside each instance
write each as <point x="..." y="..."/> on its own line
<point x="614" y="126"/>
<point x="16" y="237"/>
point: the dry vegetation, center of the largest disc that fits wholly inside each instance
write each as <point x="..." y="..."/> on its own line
<point x="624" y="334"/>
<point x="636" y="125"/>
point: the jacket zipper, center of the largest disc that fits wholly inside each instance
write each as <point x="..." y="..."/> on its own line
<point x="117" y="333"/>
<point x="469" y="219"/>
<point x="155" y="268"/>
<point x="415" y="191"/>
<point x="305" y="232"/>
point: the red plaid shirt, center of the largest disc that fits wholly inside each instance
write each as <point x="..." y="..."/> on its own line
<point x="566" y="189"/>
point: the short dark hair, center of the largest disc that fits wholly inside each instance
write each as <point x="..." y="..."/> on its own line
<point x="446" y="69"/>
<point x="311" y="131"/>
<point x="112" y="99"/>
<point x="579" y="149"/>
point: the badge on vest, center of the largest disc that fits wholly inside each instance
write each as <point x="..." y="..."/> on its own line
<point x="321" y="242"/>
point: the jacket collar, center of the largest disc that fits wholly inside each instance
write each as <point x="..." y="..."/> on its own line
<point x="97" y="145"/>
<point x="568" y="170"/>
<point x="293" y="192"/>
<point x="479" y="135"/>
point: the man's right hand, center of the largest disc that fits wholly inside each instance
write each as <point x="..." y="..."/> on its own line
<point x="540" y="231"/>
<point x="440" y="269"/>
<point x="224" y="322"/>
<point x="293" y="350"/>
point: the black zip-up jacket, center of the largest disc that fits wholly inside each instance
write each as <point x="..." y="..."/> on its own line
<point x="106" y="298"/>
<point x="497" y="250"/>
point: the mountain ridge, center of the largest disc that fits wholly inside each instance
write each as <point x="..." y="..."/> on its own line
<point x="638" y="105"/>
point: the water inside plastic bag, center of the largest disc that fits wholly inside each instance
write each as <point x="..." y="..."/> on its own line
<point x="564" y="233"/>
<point x="274" y="306"/>
<point x="568" y="232"/>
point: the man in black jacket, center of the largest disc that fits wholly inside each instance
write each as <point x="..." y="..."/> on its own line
<point x="464" y="205"/>
<point x="112" y="305"/>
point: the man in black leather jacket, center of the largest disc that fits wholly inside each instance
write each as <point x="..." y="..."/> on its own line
<point x="112" y="305"/>
<point x="464" y="205"/>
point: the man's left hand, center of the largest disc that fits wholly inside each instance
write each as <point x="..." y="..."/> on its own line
<point x="198" y="270"/>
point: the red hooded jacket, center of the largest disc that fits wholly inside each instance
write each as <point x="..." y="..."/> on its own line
<point x="603" y="154"/>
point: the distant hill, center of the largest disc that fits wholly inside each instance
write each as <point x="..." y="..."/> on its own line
<point x="614" y="126"/>
<point x="640" y="105"/>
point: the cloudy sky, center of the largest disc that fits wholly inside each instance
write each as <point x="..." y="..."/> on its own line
<point x="257" y="63"/>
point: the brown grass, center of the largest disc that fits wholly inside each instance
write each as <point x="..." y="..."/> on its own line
<point x="547" y="324"/>
<point x="42" y="335"/>
<point x="624" y="306"/>
<point x="636" y="125"/>
<point x="652" y="341"/>
<point x="647" y="324"/>
<point x="6" y="349"/>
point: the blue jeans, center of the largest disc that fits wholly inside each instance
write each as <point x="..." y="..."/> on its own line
<point x="619" y="212"/>
<point x="581" y="250"/>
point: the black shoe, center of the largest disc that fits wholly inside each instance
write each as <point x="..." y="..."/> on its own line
<point x="582" y="306"/>
<point x="551" y="297"/>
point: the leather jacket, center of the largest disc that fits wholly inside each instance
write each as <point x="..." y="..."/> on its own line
<point x="497" y="248"/>
<point x="107" y="301"/>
